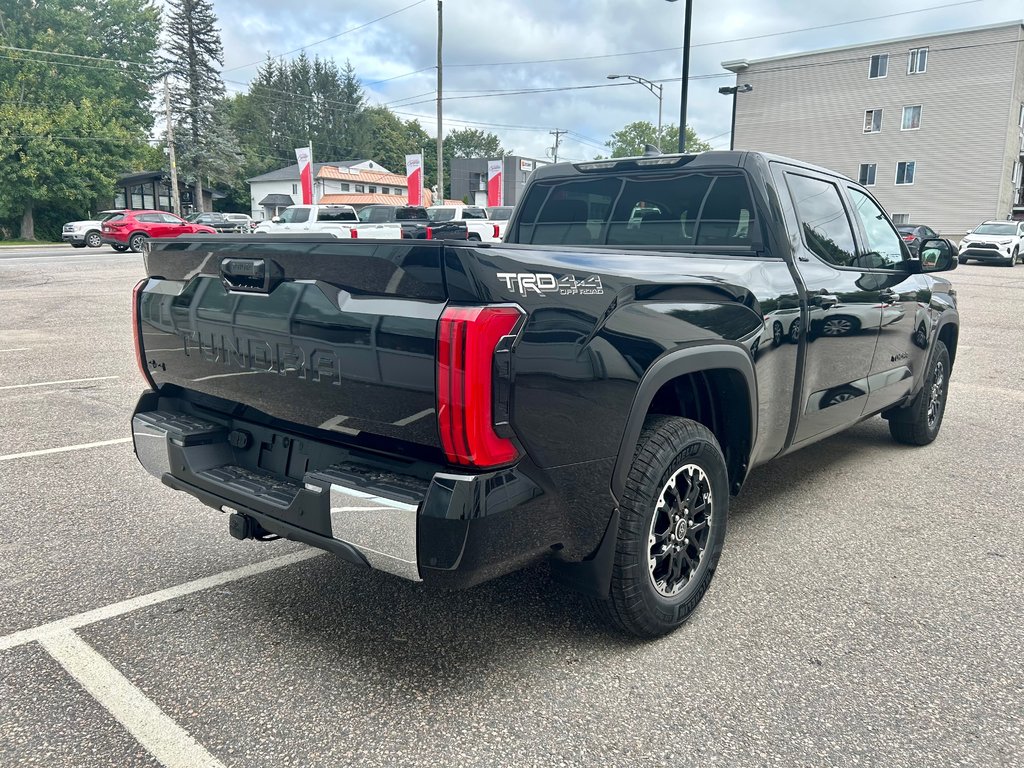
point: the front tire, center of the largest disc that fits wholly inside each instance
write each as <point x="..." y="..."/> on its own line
<point x="962" y="259"/>
<point x="672" y="524"/>
<point x="1012" y="261"/>
<point x="93" y="240"/>
<point x="919" y="422"/>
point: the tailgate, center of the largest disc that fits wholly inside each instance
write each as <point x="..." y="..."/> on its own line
<point x="334" y="335"/>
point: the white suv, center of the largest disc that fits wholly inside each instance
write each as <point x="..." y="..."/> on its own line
<point x="999" y="241"/>
<point x="86" y="233"/>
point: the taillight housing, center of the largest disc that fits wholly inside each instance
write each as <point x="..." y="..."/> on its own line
<point x="497" y="231"/>
<point x="140" y="359"/>
<point x="430" y="233"/>
<point x="473" y="346"/>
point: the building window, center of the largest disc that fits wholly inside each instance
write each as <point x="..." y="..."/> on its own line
<point x="295" y="189"/>
<point x="879" y="66"/>
<point x="373" y="190"/>
<point x="344" y="187"/>
<point x="360" y="188"/>
<point x="918" y="61"/>
<point x="867" y="174"/>
<point x="911" y="118"/>
<point x="901" y="218"/>
<point x="905" y="172"/>
<point x="872" y="121"/>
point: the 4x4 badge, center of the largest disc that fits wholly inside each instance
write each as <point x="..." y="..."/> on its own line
<point x="544" y="283"/>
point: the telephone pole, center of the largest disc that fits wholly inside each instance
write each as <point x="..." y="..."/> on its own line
<point x="175" y="198"/>
<point x="557" y="133"/>
<point x="440" y="132"/>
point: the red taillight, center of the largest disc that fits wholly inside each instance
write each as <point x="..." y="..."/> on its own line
<point x="354" y="233"/>
<point x="430" y="233"/>
<point x="466" y="346"/>
<point x="496" y="231"/>
<point x="909" y="238"/>
<point x="137" y="331"/>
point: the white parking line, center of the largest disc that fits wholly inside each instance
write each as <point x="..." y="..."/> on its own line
<point x="153" y="598"/>
<point x="16" y="349"/>
<point x="163" y="738"/>
<point x="64" y="449"/>
<point x="415" y="417"/>
<point x="62" y="381"/>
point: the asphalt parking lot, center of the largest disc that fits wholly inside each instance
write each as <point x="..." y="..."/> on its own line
<point x="868" y="609"/>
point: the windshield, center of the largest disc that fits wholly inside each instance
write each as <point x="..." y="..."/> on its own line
<point x="440" y="214"/>
<point x="501" y="213"/>
<point x="294" y="215"/>
<point x="711" y="209"/>
<point x="996" y="229"/>
<point x="409" y="213"/>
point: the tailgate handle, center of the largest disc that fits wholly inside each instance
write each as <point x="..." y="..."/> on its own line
<point x="248" y="275"/>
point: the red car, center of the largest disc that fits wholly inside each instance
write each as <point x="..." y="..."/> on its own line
<point x="129" y="230"/>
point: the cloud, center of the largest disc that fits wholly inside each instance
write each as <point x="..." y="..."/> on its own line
<point x="479" y="32"/>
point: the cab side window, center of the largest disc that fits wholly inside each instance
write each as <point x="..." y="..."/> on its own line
<point x="885" y="246"/>
<point x="826" y="228"/>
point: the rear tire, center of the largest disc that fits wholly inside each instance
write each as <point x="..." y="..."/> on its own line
<point x="672" y="524"/>
<point x="962" y="260"/>
<point x="135" y="242"/>
<point x="919" y="422"/>
<point x="474" y="237"/>
<point x="119" y="248"/>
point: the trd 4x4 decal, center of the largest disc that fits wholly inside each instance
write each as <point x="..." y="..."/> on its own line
<point x="544" y="283"/>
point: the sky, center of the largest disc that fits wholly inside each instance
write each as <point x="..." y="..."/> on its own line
<point x="487" y="42"/>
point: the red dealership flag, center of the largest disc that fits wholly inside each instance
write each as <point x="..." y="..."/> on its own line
<point x="305" y="157"/>
<point x="495" y="189"/>
<point x="414" y="178"/>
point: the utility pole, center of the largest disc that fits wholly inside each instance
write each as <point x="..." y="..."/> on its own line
<point x="440" y="132"/>
<point x="175" y="197"/>
<point x="557" y="133"/>
<point x="687" y="14"/>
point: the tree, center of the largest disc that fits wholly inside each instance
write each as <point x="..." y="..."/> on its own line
<point x="69" y="126"/>
<point x="202" y="136"/>
<point x="632" y="139"/>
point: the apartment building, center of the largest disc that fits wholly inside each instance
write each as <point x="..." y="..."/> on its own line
<point x="933" y="124"/>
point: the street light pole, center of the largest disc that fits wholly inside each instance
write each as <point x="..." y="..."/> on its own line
<point x="733" y="90"/>
<point x="653" y="87"/>
<point x="686" y="74"/>
<point x="440" y="133"/>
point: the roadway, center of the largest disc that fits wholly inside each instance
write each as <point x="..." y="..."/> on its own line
<point x="867" y="609"/>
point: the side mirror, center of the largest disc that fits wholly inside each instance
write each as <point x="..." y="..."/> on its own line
<point x="275" y="220"/>
<point x="937" y="255"/>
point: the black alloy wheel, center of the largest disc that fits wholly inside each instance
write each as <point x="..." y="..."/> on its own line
<point x="919" y="422"/>
<point x="777" y="333"/>
<point x="672" y="520"/>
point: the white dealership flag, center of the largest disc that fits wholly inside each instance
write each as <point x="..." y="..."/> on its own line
<point x="414" y="178"/>
<point x="495" y="189"/>
<point x="305" y="157"/>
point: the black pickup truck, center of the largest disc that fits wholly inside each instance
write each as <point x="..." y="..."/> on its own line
<point x="415" y="221"/>
<point x="591" y="391"/>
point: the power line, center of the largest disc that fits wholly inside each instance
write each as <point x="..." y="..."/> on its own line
<point x="332" y="37"/>
<point x="398" y="77"/>
<point x="716" y="42"/>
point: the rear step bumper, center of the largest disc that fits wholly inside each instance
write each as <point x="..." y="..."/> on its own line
<point x="372" y="526"/>
<point x="449" y="530"/>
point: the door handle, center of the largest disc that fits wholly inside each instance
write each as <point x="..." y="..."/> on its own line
<point x="824" y="299"/>
<point x="889" y="296"/>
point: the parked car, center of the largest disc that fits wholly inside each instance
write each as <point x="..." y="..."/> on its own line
<point x="335" y="220"/>
<point x="474" y="217"/>
<point x="88" y="232"/>
<point x="914" y="234"/>
<point x="128" y="230"/>
<point x="500" y="214"/>
<point x="583" y="393"/>
<point x="243" y="221"/>
<point x="998" y="241"/>
<point x="414" y="221"/>
<point x="218" y="221"/>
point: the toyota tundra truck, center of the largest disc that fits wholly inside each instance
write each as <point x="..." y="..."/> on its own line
<point x="590" y="392"/>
